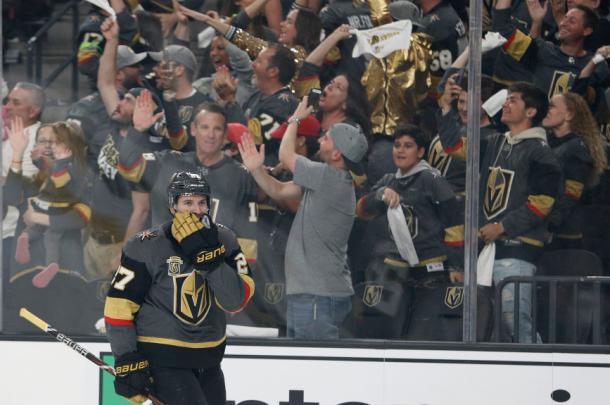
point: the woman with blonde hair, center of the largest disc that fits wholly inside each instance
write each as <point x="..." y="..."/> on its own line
<point x="579" y="147"/>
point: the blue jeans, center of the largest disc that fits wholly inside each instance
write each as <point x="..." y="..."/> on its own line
<point x="316" y="317"/>
<point x="514" y="267"/>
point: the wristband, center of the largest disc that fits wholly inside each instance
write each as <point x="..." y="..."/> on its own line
<point x="294" y="119"/>
<point x="598" y="58"/>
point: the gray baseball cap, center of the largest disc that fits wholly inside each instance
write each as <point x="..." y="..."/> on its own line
<point x="177" y="53"/>
<point x="127" y="57"/>
<point x="406" y="10"/>
<point x="352" y="144"/>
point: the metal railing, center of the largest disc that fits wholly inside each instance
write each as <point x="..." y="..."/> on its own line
<point x="553" y="282"/>
<point x="34" y="50"/>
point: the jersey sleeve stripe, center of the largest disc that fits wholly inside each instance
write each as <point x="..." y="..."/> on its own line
<point x="178" y="140"/>
<point x="540" y="205"/>
<point x="573" y="189"/>
<point x="454" y="236"/>
<point x="83" y="210"/>
<point x="134" y="172"/>
<point x="249" y="247"/>
<point x="60" y="178"/>
<point x="120" y="309"/>
<point x="117" y="322"/>
<point x="517" y="45"/>
<point x="249" y="292"/>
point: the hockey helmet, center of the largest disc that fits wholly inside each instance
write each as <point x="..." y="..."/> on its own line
<point x="187" y="183"/>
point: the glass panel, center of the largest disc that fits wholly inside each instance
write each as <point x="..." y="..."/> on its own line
<point x="80" y="184"/>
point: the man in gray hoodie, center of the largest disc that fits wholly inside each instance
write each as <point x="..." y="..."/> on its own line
<point x="520" y="181"/>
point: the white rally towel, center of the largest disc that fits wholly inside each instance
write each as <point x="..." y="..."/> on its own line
<point x="383" y="40"/>
<point x="485" y="264"/>
<point x="402" y="236"/>
<point x="492" y="41"/>
<point x="205" y="37"/>
<point x="104" y="5"/>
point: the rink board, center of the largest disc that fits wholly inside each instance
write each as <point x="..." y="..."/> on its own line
<point x="50" y="373"/>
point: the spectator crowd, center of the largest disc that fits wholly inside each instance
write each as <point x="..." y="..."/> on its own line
<point x="333" y="137"/>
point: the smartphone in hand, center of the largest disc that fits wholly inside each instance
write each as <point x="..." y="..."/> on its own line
<point x="313" y="98"/>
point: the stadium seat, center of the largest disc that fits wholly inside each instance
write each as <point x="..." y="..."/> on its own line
<point x="574" y="310"/>
<point x="61" y="303"/>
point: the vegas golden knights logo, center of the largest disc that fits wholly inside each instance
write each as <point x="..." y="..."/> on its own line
<point x="274" y="292"/>
<point x="174" y="265"/>
<point x="454" y="296"/>
<point x="411" y="218"/>
<point x="185" y="112"/>
<point x="438" y="158"/>
<point x="192" y="298"/>
<point x="372" y="295"/>
<point x="499" y="184"/>
<point x="561" y="83"/>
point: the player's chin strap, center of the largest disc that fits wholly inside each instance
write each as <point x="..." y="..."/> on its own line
<point x="60" y="337"/>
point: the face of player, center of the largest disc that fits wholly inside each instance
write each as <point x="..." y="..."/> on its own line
<point x="123" y="113"/>
<point x="20" y="104"/>
<point x="406" y="154"/>
<point x="334" y="95"/>
<point x="558" y="115"/>
<point x="209" y="131"/>
<point x="288" y="29"/>
<point x="572" y="26"/>
<point x="514" y="111"/>
<point x="218" y="53"/>
<point x="192" y="204"/>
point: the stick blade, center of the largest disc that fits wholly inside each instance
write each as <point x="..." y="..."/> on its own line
<point x="24" y="313"/>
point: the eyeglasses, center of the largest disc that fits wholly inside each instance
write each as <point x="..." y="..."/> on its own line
<point x="47" y="142"/>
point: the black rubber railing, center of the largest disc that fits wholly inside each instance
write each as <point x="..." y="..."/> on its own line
<point x="578" y="284"/>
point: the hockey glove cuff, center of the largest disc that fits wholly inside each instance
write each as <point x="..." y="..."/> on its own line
<point x="133" y="379"/>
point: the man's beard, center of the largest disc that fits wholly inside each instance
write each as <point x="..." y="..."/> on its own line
<point x="131" y="82"/>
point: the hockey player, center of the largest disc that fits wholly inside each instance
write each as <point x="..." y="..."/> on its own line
<point x="165" y="309"/>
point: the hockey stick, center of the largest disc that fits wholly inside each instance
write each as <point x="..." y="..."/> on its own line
<point x="60" y="337"/>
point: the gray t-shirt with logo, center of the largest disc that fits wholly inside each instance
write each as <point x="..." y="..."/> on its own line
<point x="316" y="252"/>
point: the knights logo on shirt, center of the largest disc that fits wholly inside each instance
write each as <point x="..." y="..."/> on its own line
<point x="497" y="192"/>
<point x="274" y="292"/>
<point x="372" y="295"/>
<point x="174" y="265"/>
<point x="438" y="158"/>
<point x="108" y="158"/>
<point x="411" y="219"/>
<point x="185" y="112"/>
<point x="192" y="298"/>
<point x="454" y="296"/>
<point x="561" y="82"/>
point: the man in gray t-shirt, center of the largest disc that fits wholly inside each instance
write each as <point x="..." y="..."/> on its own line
<point x="318" y="281"/>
